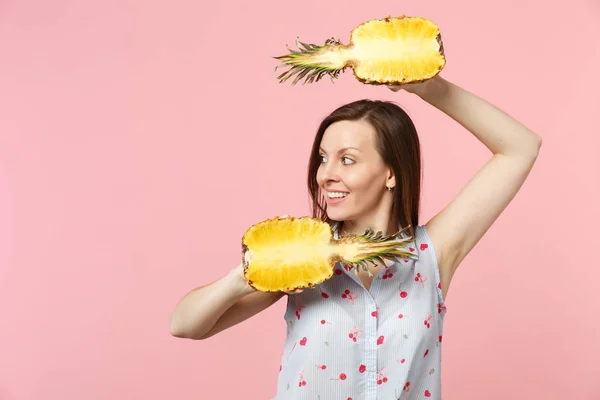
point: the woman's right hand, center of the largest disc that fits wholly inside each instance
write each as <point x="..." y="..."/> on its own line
<point x="238" y="274"/>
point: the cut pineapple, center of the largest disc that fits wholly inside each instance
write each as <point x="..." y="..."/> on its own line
<point x="288" y="253"/>
<point x="389" y="51"/>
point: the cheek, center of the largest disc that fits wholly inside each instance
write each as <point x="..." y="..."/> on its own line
<point x="319" y="176"/>
<point x="362" y="182"/>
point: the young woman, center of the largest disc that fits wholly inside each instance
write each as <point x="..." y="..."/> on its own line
<point x="378" y="334"/>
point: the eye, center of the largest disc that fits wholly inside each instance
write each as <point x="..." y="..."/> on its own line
<point x="322" y="157"/>
<point x="350" y="161"/>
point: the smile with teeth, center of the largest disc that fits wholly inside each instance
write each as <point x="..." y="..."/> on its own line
<point x="336" y="195"/>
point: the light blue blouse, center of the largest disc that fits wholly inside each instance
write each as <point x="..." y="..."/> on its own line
<point x="346" y="342"/>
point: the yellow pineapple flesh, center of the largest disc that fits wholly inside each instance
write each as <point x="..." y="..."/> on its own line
<point x="288" y="253"/>
<point x="389" y="51"/>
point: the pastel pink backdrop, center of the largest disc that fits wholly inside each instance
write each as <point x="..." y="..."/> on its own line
<point x="140" y="139"/>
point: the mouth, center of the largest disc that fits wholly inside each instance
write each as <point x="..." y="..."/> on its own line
<point x="335" y="197"/>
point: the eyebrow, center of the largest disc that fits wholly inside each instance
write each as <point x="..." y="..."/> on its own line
<point x="341" y="150"/>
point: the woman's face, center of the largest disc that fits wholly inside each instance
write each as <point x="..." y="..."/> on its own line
<point x="352" y="176"/>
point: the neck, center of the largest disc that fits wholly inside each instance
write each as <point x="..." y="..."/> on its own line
<point x="356" y="227"/>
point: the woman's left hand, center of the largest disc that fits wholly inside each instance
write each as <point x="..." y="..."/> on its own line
<point x="420" y="89"/>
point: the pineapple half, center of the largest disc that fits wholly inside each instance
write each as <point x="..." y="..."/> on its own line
<point x="288" y="253"/>
<point x="389" y="51"/>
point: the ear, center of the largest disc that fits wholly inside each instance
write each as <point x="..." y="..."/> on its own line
<point x="391" y="179"/>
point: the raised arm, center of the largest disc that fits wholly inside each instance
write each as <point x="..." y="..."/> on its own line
<point x="457" y="228"/>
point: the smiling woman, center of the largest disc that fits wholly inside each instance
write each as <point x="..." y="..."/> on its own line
<point x="376" y="334"/>
<point x="369" y="151"/>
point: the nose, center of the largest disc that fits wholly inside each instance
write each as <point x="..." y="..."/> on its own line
<point x="328" y="172"/>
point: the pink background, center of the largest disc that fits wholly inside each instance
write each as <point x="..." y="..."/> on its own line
<point x="140" y="139"/>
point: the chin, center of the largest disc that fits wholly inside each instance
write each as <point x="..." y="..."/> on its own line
<point x="339" y="215"/>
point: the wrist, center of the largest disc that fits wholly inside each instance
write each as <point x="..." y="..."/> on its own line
<point x="237" y="281"/>
<point x="434" y="89"/>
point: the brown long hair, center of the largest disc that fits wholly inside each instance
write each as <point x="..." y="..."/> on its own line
<point x="398" y="145"/>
